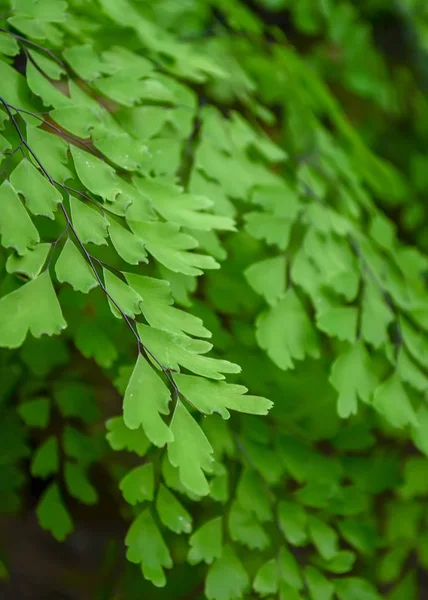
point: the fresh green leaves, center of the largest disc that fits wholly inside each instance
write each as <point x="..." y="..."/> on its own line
<point x="190" y="451"/>
<point x="146" y="399"/>
<point x="147" y="548"/>
<point x="18" y="317"/>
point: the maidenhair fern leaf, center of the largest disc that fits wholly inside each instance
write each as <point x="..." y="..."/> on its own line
<point x="52" y="513"/>
<point x="146" y="399"/>
<point x="147" y="547"/>
<point x="72" y="268"/>
<point x="139" y="484"/>
<point x="16" y="228"/>
<point x="190" y="451"/>
<point x="47" y="320"/>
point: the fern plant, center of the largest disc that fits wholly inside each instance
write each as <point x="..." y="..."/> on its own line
<point x="174" y="173"/>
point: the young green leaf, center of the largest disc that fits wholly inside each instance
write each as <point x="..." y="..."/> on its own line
<point x="174" y="350"/>
<point x="146" y="547"/>
<point x="245" y="529"/>
<point x="97" y="176"/>
<point x="138" y="485"/>
<point x="324" y="538"/>
<point x="146" y="398"/>
<point x="267" y="578"/>
<point x="286" y="333"/>
<point x="90" y="224"/>
<point x="392" y="401"/>
<point x="120" y="437"/>
<point x="320" y="588"/>
<point x="16" y="228"/>
<point x="227" y="579"/>
<point x="35" y="413"/>
<point x="123" y="295"/>
<point x="206" y="542"/>
<point x="156" y="307"/>
<point x="40" y="196"/>
<point x="293" y="522"/>
<point x="17" y="314"/>
<point x="171" y="512"/>
<point x="190" y="451"/>
<point x="52" y="513"/>
<point x="127" y="245"/>
<point x="78" y="484"/>
<point x="46" y="459"/>
<point x="268" y="278"/>
<point x="353" y="378"/>
<point x="29" y="264"/>
<point x="72" y="268"/>
<point x="220" y="397"/>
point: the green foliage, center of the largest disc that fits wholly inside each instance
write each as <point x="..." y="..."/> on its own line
<point x="178" y="172"/>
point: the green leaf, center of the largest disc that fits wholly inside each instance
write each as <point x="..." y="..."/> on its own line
<point x="123" y="296"/>
<point x="353" y="378"/>
<point x="42" y="87"/>
<point x="97" y="176"/>
<point x="217" y="396"/>
<point x="31" y="263"/>
<point x="183" y="209"/>
<point x="268" y="278"/>
<point x="53" y="515"/>
<point x="35" y="413"/>
<point x="16" y="228"/>
<point x="286" y="333"/>
<point x="138" y="485"/>
<point x="93" y="342"/>
<point x="78" y="484"/>
<point x="324" y="538"/>
<point x="254" y="496"/>
<point x="46" y="459"/>
<point x="146" y="398"/>
<point x="289" y="570"/>
<point x="376" y="316"/>
<point x="392" y="401"/>
<point x="266" y="580"/>
<point x="320" y="588"/>
<point x="8" y="45"/>
<point x="129" y="91"/>
<point x="354" y="588"/>
<point x="340" y="322"/>
<point x="174" y="350"/>
<point x="90" y="224"/>
<point x="171" y="247"/>
<point x="40" y="196"/>
<point x="76" y="399"/>
<point x="72" y="268"/>
<point x="171" y="512"/>
<point x="274" y="230"/>
<point x="206" y="542"/>
<point x="410" y="373"/>
<point x="121" y="437"/>
<point x="146" y="547"/>
<point x="190" y="451"/>
<point x="341" y="563"/>
<point x="293" y="522"/>
<point x="156" y="307"/>
<point x="17" y="314"/>
<point x="127" y="245"/>
<point x="245" y="529"/>
<point x="51" y="150"/>
<point x="226" y="578"/>
<point x="84" y="61"/>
